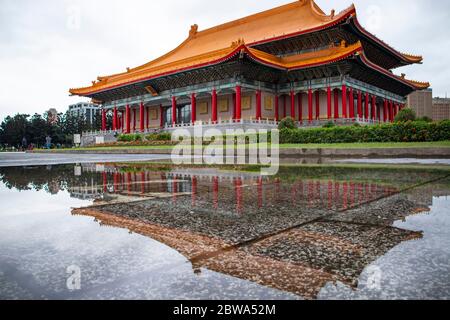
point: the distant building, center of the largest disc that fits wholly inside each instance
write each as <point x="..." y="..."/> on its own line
<point x="88" y="110"/>
<point x="441" y="109"/>
<point x="52" y="115"/>
<point x="421" y="102"/>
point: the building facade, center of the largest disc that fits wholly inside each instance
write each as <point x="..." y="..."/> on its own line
<point x="291" y="61"/>
<point x="86" y="109"/>
<point x="421" y="102"/>
<point x="441" y="109"/>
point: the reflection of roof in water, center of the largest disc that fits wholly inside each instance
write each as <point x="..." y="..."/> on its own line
<point x="295" y="250"/>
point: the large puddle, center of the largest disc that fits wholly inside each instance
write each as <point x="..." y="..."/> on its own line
<point x="157" y="232"/>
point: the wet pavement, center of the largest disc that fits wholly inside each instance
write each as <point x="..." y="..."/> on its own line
<point x="164" y="232"/>
<point x="13" y="159"/>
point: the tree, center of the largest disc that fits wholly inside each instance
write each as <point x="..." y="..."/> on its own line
<point x="406" y="115"/>
<point x="14" y="129"/>
<point x="37" y="129"/>
<point x="287" y="123"/>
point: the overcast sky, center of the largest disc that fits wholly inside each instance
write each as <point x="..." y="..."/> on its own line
<point x="49" y="46"/>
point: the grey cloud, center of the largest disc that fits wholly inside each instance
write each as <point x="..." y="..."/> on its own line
<point x="41" y="56"/>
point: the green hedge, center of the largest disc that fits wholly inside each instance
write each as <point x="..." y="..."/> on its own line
<point x="159" y="137"/>
<point x="418" y="131"/>
<point x="129" y="137"/>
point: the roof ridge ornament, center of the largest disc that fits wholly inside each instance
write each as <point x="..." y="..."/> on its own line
<point x="194" y="30"/>
<point x="238" y="43"/>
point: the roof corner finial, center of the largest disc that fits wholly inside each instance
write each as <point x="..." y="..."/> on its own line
<point x="333" y="12"/>
<point x="403" y="75"/>
<point x="194" y="30"/>
<point x="343" y="44"/>
<point x="238" y="43"/>
<point x="128" y="69"/>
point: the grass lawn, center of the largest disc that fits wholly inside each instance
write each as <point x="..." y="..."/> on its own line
<point x="375" y="145"/>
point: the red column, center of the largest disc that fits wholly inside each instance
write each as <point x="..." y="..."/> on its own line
<point x="234" y="106"/>
<point x="300" y="107"/>
<point x="330" y="114"/>
<point x="317" y="105"/>
<point x="385" y="110"/>
<point x="277" y="108"/>
<point x="374" y="107"/>
<point x="141" y="118"/>
<point x="123" y="121"/>
<point x="366" y="106"/>
<point x="128" y="116"/>
<point x="293" y="105"/>
<point x="260" y="192"/>
<point x="352" y="104"/>
<point x="336" y="104"/>
<point x="344" y="101"/>
<point x="284" y="107"/>
<point x="216" y="192"/>
<point x="115" y="124"/>
<point x="194" y="191"/>
<point x="360" y="109"/>
<point x="103" y="120"/>
<point x="258" y="105"/>
<point x="391" y="112"/>
<point x="377" y="106"/>
<point x="147" y="118"/>
<point x="174" y="111"/>
<point x="161" y="116"/>
<point x="214" y="106"/>
<point x="194" y="108"/>
<point x="310" y="105"/>
<point x="105" y="182"/>
<point x="238" y="103"/>
<point x="238" y="192"/>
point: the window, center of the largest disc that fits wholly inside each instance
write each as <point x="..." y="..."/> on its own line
<point x="183" y="115"/>
<point x="167" y="116"/>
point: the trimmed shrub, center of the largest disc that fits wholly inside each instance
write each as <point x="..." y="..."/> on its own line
<point x="418" y="131"/>
<point x="329" y="125"/>
<point x="164" y="137"/>
<point x="405" y="115"/>
<point x="129" y="137"/>
<point x="425" y="119"/>
<point x="287" y="123"/>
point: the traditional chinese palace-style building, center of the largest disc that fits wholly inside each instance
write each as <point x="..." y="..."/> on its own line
<point x="290" y="61"/>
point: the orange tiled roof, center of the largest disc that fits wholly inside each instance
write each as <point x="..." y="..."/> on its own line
<point x="299" y="16"/>
<point x="213" y="45"/>
<point x="328" y="55"/>
<point x="297" y="61"/>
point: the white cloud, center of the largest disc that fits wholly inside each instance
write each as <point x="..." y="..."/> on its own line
<point x="45" y="48"/>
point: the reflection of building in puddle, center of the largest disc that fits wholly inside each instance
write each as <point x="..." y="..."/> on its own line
<point x="220" y="190"/>
<point x="295" y="235"/>
<point x="301" y="260"/>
